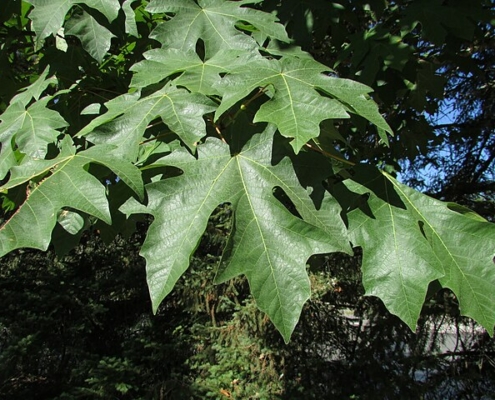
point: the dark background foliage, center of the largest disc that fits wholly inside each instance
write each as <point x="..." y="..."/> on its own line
<point x="81" y="327"/>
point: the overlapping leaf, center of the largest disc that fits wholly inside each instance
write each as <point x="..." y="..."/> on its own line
<point x="264" y="228"/>
<point x="67" y="184"/>
<point x="7" y="158"/>
<point x="128" y="116"/>
<point x="410" y="239"/>
<point x="212" y="21"/>
<point x="33" y="128"/>
<point x="130" y="18"/>
<point x="297" y="107"/>
<point x="48" y="15"/>
<point x="36" y="89"/>
<point x="197" y="75"/>
<point x="94" y="37"/>
<point x="28" y="129"/>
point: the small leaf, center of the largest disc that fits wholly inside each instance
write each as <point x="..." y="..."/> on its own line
<point x="7" y="158"/>
<point x="33" y="129"/>
<point x="71" y="221"/>
<point x="130" y="18"/>
<point x="34" y="90"/>
<point x="91" y="109"/>
<point x="95" y="38"/>
<point x="60" y="42"/>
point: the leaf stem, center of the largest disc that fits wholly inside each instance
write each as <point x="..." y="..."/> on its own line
<point x="219" y="132"/>
<point x="249" y="101"/>
<point x="327" y="154"/>
<point x="156" y="137"/>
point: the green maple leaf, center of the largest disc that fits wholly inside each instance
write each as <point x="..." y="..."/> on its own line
<point x="128" y="117"/>
<point x="297" y="108"/>
<point x="33" y="128"/>
<point x="29" y="129"/>
<point x="36" y="89"/>
<point x="95" y="38"/>
<point x="410" y="240"/>
<point x="48" y="15"/>
<point x="264" y="228"/>
<point x="66" y="183"/>
<point x="196" y="75"/>
<point x="213" y="21"/>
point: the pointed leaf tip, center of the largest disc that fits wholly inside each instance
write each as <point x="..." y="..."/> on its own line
<point x="264" y="228"/>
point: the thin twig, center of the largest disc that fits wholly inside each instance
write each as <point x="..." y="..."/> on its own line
<point x="326" y="154"/>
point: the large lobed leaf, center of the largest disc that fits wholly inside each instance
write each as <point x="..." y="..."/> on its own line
<point x="264" y="228"/>
<point x="211" y="48"/>
<point x="66" y="183"/>
<point x="297" y="108"/>
<point x="27" y="127"/>
<point x="48" y="15"/>
<point x="212" y="21"/>
<point x="202" y="76"/>
<point x="128" y="116"/>
<point x="410" y="240"/>
<point x="32" y="128"/>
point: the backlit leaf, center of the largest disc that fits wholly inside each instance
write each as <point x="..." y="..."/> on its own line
<point x="410" y="240"/>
